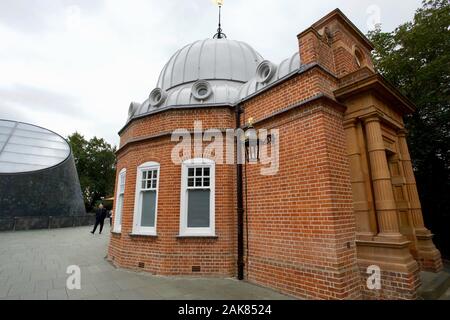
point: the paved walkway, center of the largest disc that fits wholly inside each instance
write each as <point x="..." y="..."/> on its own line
<point x="33" y="266"/>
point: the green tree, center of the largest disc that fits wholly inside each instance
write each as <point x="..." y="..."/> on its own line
<point x="416" y="59"/>
<point x="95" y="162"/>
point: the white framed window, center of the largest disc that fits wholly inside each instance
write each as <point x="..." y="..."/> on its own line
<point x="197" y="209"/>
<point x="146" y="201"/>
<point x="119" y="201"/>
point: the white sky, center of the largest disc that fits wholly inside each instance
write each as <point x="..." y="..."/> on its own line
<point x="75" y="65"/>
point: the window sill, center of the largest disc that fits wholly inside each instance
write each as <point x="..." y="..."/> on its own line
<point x="116" y="233"/>
<point x="197" y="236"/>
<point x="146" y="235"/>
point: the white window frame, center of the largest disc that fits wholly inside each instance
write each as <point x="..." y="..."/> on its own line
<point x="118" y="214"/>
<point x="186" y="231"/>
<point x="137" y="218"/>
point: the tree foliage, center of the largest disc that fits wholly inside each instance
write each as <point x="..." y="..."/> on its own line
<point x="95" y="163"/>
<point x="416" y="59"/>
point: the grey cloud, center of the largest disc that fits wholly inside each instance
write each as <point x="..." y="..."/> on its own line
<point x="24" y="97"/>
<point x="35" y="15"/>
<point x="9" y="113"/>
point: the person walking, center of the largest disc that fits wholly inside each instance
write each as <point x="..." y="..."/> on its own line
<point x="100" y="215"/>
<point x="110" y="217"/>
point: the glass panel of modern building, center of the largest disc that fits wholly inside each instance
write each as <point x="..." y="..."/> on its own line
<point x="26" y="148"/>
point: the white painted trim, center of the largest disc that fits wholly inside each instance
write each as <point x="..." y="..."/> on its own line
<point x="137" y="229"/>
<point x="118" y="217"/>
<point x="197" y="232"/>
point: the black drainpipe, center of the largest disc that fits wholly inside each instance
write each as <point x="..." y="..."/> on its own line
<point x="240" y="202"/>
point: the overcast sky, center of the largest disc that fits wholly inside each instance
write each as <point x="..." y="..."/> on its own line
<point x="75" y="65"/>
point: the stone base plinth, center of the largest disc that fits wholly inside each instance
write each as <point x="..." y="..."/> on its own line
<point x="428" y="257"/>
<point x="399" y="272"/>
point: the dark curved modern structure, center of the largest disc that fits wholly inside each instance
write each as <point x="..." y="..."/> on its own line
<point x="39" y="185"/>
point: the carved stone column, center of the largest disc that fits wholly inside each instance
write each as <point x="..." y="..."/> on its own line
<point x="360" y="201"/>
<point x="429" y="257"/>
<point x="381" y="180"/>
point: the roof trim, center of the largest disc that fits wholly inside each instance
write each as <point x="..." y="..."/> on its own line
<point x="303" y="69"/>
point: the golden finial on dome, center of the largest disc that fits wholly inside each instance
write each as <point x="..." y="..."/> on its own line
<point x="219" y="34"/>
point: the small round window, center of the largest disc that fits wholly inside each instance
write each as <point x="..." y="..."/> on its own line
<point x="157" y="97"/>
<point x="201" y="90"/>
<point x="265" y="71"/>
<point x="132" y="109"/>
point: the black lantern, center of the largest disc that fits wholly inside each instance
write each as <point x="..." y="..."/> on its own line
<point x="253" y="143"/>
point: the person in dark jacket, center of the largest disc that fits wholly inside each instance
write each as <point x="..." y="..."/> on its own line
<point x="100" y="215"/>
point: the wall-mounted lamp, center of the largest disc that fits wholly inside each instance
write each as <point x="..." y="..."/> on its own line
<point x="253" y="143"/>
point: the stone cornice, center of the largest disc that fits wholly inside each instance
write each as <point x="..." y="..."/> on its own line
<point x="382" y="88"/>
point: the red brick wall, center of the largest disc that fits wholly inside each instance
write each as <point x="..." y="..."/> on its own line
<point x="167" y="254"/>
<point x="344" y="45"/>
<point x="166" y="122"/>
<point x="315" y="48"/>
<point x="300" y="222"/>
<point x="300" y="88"/>
<point x="334" y="49"/>
<point x="394" y="285"/>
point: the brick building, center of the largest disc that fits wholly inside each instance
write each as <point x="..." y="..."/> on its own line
<point x="344" y="195"/>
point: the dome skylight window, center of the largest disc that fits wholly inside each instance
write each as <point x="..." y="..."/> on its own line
<point x="265" y="71"/>
<point x="157" y="97"/>
<point x="201" y="90"/>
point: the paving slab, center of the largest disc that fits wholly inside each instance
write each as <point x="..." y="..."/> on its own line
<point x="57" y="294"/>
<point x="33" y="266"/>
<point x="43" y="285"/>
<point x="107" y="287"/>
<point x="41" y="295"/>
<point x="84" y="291"/>
<point x="21" y="288"/>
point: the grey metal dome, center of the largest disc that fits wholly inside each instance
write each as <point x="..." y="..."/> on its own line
<point x="212" y="72"/>
<point x="210" y="59"/>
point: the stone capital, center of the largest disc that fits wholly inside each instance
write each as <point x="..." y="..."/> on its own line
<point x="350" y="123"/>
<point x="373" y="117"/>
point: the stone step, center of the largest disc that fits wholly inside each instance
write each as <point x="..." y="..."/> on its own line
<point x="434" y="285"/>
